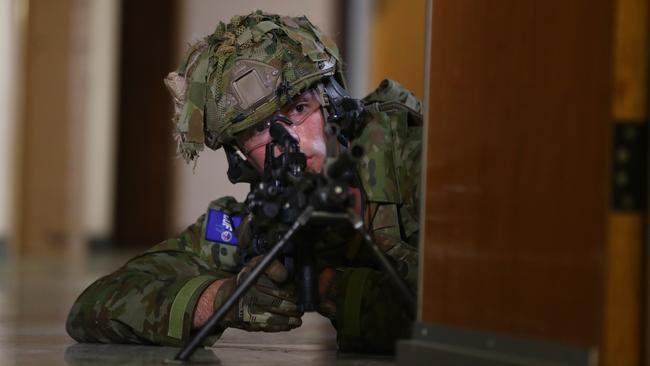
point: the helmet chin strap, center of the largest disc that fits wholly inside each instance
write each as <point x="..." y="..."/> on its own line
<point x="240" y="170"/>
<point x="343" y="116"/>
<point x="342" y="111"/>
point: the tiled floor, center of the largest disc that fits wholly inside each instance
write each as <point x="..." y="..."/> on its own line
<point x="35" y="297"/>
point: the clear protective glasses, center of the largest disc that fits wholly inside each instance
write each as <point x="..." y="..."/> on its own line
<point x="293" y="114"/>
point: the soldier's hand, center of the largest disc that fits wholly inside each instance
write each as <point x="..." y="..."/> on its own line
<point x="270" y="305"/>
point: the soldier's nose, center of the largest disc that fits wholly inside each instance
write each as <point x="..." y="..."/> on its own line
<point x="293" y="133"/>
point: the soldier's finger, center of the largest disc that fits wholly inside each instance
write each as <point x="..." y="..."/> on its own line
<point x="253" y="262"/>
<point x="277" y="272"/>
<point x="263" y="298"/>
<point x="268" y="288"/>
<point x="288" y="308"/>
<point x="281" y="322"/>
<point x="283" y="307"/>
<point x="255" y="315"/>
<point x="278" y="328"/>
<point x="267" y="302"/>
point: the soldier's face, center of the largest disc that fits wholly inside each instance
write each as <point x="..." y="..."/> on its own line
<point x="307" y="127"/>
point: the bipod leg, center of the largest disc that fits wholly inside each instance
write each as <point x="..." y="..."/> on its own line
<point x="211" y="324"/>
<point x="399" y="282"/>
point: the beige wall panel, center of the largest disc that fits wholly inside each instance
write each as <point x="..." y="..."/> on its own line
<point x="43" y="221"/>
<point x="10" y="89"/>
<point x="99" y="116"/>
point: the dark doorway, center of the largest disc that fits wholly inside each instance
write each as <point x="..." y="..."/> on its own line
<point x="145" y="147"/>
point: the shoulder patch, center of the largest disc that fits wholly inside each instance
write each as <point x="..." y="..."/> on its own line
<point x="221" y="227"/>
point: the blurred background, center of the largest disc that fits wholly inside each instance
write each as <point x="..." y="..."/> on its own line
<point x="534" y="222"/>
<point x="87" y="159"/>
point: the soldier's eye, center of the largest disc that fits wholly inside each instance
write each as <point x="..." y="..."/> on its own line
<point x="300" y="108"/>
<point x="261" y="127"/>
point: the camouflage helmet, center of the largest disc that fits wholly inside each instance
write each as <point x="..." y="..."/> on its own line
<point x="244" y="72"/>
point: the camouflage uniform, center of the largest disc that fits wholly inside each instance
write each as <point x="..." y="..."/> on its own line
<point x="151" y="299"/>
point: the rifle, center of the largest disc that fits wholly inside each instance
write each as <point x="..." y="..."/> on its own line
<point x="283" y="203"/>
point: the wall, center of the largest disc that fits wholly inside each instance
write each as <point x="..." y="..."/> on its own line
<point x="397" y="43"/>
<point x="57" y="65"/>
<point x="9" y="26"/>
<point x="99" y="113"/>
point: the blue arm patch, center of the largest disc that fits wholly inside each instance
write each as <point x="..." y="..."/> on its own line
<point x="221" y="227"/>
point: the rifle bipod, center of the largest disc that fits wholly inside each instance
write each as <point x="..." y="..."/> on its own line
<point x="305" y="217"/>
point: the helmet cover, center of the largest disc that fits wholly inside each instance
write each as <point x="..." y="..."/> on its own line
<point x="243" y="73"/>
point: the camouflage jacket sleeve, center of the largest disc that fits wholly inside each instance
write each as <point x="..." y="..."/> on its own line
<point x="390" y="173"/>
<point x="370" y="313"/>
<point x="151" y="299"/>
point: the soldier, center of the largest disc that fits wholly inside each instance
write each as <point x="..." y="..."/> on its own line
<point x="263" y="68"/>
